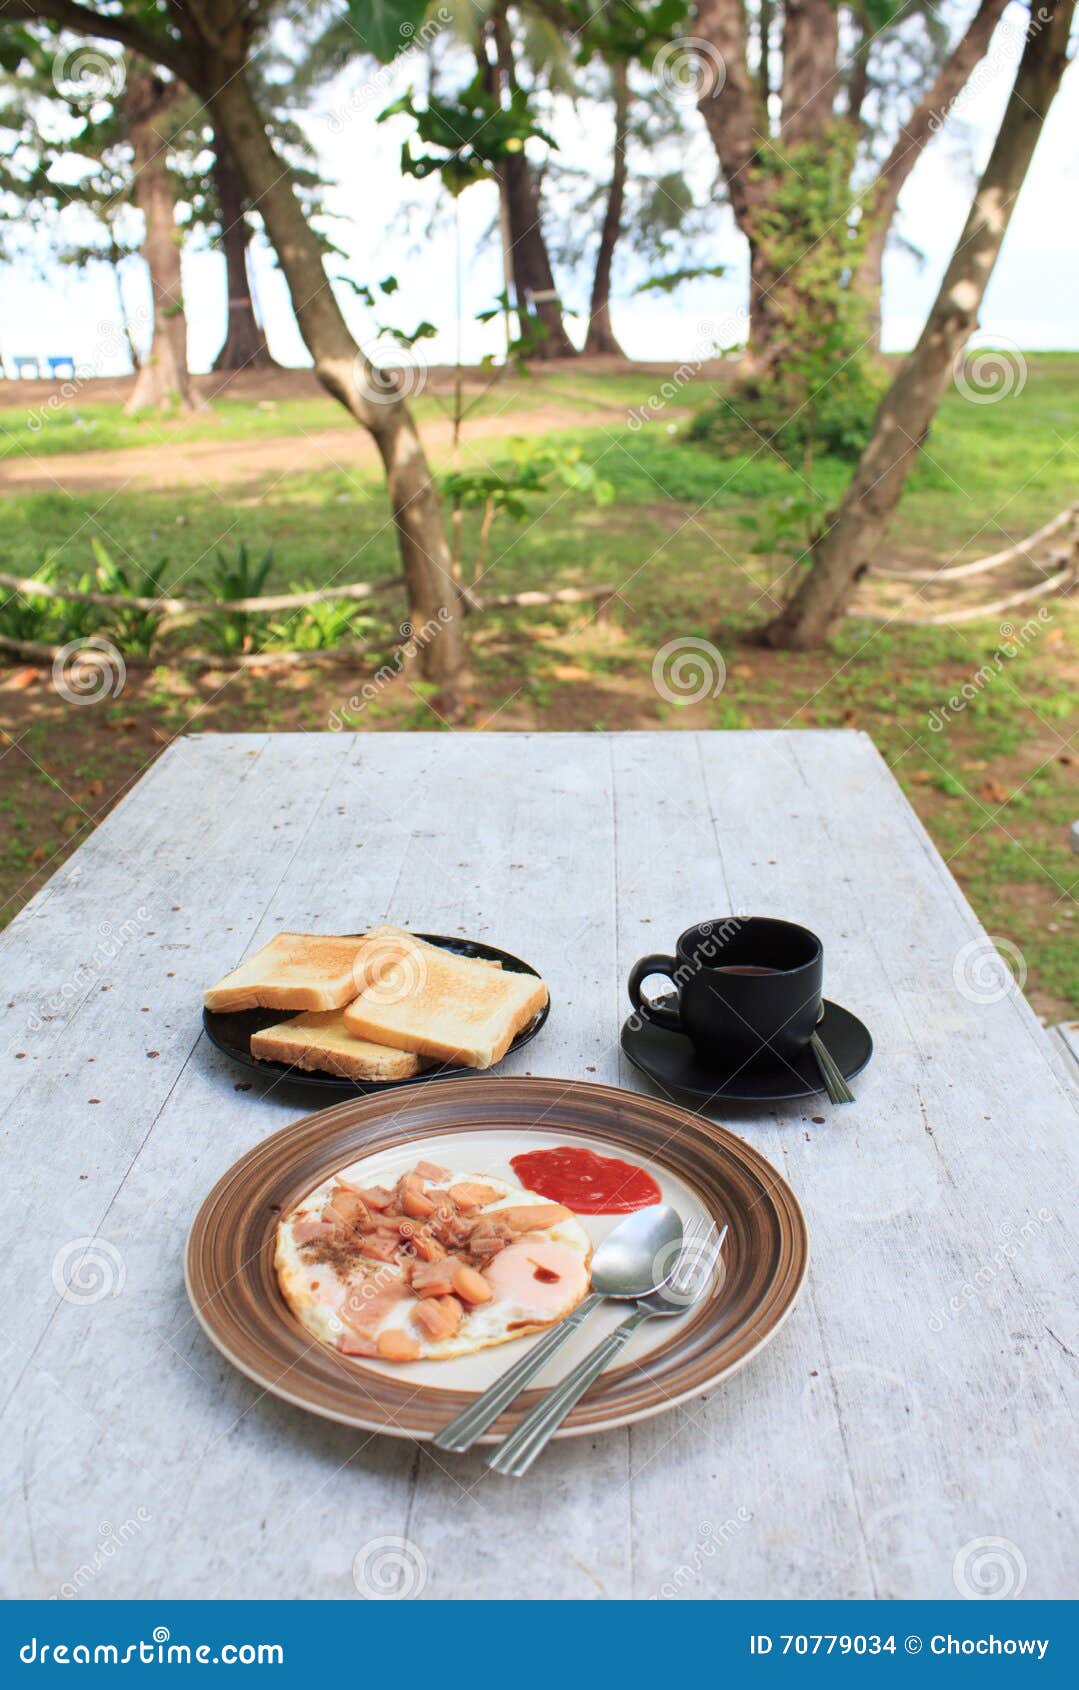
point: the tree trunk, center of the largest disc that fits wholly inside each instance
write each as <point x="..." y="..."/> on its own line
<point x="869" y="282"/>
<point x="600" y="337"/>
<point x="764" y="341"/>
<point x="245" y="344"/>
<point x="858" y="80"/>
<point x="766" y="17"/>
<point x="810" y="82"/>
<point x="539" y="308"/>
<point x="923" y="123"/>
<point x="846" y="548"/>
<point x="730" y="101"/>
<point x="738" y="126"/>
<point x="162" y="378"/>
<point x="116" y="258"/>
<point x="345" y="372"/>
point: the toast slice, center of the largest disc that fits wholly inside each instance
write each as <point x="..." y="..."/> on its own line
<point x="292" y="971"/>
<point x="319" y="1042"/>
<point x="418" y="997"/>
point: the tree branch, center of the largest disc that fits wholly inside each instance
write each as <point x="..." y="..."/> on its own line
<point x="930" y="111"/>
<point x="108" y="26"/>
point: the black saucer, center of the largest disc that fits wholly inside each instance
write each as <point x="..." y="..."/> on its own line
<point x="670" y="1060"/>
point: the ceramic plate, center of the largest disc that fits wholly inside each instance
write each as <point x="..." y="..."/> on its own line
<point x="700" y="1168"/>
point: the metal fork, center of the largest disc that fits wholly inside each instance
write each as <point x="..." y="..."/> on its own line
<point x="689" y="1276"/>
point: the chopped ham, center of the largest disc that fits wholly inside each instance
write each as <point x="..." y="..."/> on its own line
<point x="534" y="1217"/>
<point x="453" y="1311"/>
<point x="424" y="1245"/>
<point x="468" y="1195"/>
<point x="376" y="1196"/>
<point x="431" y="1171"/>
<point x="380" y="1246"/>
<point x="433" y="1319"/>
<point x="488" y="1238"/>
<point x="450" y="1228"/>
<point x="435" y="1279"/>
<point x="352" y="1344"/>
<point x="349" y="1209"/>
<point x="368" y="1303"/>
<point x="411" y="1199"/>
<point x="307" y="1231"/>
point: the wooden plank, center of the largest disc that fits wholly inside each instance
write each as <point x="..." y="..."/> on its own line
<point x="944" y="1169"/>
<point x="522" y="855"/>
<point x="715" y="1471"/>
<point x="1066" y="1035"/>
<point x="212" y="832"/>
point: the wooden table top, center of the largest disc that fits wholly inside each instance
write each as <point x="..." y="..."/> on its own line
<point x="907" y="1434"/>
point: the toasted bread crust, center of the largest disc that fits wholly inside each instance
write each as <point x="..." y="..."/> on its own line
<point x="320" y="1043"/>
<point x="302" y="971"/>
<point x="416" y="996"/>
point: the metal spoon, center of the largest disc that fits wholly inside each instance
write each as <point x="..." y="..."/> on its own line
<point x="631" y="1261"/>
<point x="687" y="1283"/>
<point x="838" y="1089"/>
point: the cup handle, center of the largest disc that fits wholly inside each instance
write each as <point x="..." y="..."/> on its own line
<point x="659" y="1014"/>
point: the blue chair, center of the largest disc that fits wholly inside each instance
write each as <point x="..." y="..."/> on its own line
<point x="58" y="364"/>
<point x="31" y="364"/>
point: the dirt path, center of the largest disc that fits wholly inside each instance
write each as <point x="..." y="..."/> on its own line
<point x="226" y="462"/>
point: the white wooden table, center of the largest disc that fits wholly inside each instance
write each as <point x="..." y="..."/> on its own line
<point x="915" y="1405"/>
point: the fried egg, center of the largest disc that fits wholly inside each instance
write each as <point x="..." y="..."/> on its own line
<point x="428" y="1268"/>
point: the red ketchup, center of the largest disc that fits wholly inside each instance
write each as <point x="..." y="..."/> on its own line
<point x="586" y="1182"/>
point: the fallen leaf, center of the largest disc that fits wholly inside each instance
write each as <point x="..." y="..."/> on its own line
<point x="993" y="792"/>
<point x="20" y="679"/>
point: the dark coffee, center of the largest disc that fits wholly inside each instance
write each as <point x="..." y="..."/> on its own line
<point x="747" y="968"/>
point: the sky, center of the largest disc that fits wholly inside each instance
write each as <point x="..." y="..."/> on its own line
<point x="1031" y="301"/>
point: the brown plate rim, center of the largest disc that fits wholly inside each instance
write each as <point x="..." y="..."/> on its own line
<point x="637" y="1398"/>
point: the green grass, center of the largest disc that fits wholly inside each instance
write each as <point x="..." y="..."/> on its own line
<point x="74" y="425"/>
<point x="81" y="424"/>
<point x="996" y="786"/>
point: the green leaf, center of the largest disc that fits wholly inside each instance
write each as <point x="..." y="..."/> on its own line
<point x="675" y="278"/>
<point x="16" y="44"/>
<point x="386" y="27"/>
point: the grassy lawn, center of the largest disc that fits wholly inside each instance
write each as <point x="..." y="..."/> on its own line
<point x="83" y="424"/>
<point x="995" y="785"/>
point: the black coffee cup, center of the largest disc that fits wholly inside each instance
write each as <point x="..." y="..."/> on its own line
<point x="749" y="989"/>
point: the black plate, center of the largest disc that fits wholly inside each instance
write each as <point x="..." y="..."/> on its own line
<point x="670" y="1060"/>
<point x="231" y="1030"/>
